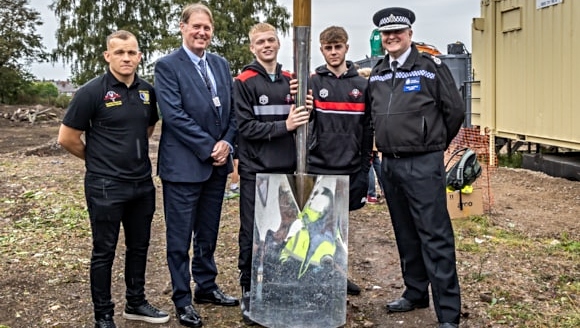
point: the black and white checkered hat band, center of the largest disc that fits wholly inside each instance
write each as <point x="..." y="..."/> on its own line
<point x="393" y="22"/>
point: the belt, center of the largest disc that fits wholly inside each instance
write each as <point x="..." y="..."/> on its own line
<point x="402" y="154"/>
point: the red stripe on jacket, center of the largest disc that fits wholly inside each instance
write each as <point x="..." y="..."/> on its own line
<point x="340" y="106"/>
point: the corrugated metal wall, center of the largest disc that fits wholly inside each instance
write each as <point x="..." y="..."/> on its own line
<point x="529" y="78"/>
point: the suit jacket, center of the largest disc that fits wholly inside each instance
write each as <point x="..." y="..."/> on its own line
<point x="191" y="124"/>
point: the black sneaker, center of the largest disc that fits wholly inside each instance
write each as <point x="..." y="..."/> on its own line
<point x="145" y="312"/>
<point x="105" y="321"/>
<point x="245" y="306"/>
<point x="352" y="288"/>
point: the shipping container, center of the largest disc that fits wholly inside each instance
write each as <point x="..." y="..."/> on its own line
<point x="525" y="71"/>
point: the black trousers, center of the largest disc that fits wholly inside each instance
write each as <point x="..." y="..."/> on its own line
<point x="415" y="193"/>
<point x="110" y="203"/>
<point x="246" y="234"/>
<point x="192" y="210"/>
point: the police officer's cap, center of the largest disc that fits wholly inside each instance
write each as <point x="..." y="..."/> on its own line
<point x="394" y="18"/>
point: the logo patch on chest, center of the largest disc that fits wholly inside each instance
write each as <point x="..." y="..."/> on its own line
<point x="412" y="84"/>
<point x="144" y="96"/>
<point x="323" y="93"/>
<point x="355" y="93"/>
<point x="263" y="100"/>
<point x="112" y="99"/>
<point x="413" y="80"/>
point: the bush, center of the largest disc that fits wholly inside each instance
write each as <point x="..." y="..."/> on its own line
<point x="513" y="161"/>
<point x="62" y="101"/>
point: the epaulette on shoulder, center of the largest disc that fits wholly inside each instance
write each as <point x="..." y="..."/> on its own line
<point x="435" y="59"/>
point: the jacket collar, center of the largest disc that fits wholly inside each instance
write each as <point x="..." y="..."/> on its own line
<point x="384" y="64"/>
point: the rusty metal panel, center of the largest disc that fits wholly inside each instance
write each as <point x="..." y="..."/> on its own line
<point x="523" y="54"/>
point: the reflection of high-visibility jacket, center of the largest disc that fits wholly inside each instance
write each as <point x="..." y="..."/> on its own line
<point x="298" y="248"/>
<point x="310" y="244"/>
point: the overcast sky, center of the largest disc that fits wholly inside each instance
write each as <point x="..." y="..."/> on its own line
<point x="438" y="23"/>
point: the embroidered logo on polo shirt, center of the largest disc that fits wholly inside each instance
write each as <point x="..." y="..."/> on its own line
<point x="111" y="99"/>
<point x="144" y="95"/>
<point x="355" y="93"/>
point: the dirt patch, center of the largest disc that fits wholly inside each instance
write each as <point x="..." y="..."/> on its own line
<point x="518" y="266"/>
<point x="19" y="133"/>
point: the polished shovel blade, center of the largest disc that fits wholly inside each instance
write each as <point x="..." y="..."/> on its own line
<point x="300" y="255"/>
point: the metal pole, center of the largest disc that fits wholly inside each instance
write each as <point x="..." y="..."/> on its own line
<point x="302" y="23"/>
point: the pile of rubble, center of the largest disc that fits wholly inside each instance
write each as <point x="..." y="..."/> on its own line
<point x="31" y="114"/>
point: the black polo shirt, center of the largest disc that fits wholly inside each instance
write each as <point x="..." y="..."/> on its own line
<point x="115" y="119"/>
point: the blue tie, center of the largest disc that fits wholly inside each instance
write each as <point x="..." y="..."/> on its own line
<point x="208" y="84"/>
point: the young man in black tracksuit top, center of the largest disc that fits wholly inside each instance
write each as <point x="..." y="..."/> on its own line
<point x="267" y="120"/>
<point x="341" y="136"/>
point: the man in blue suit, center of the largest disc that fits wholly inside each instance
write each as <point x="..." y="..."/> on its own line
<point x="194" y="90"/>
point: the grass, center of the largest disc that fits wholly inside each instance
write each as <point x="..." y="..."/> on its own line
<point x="543" y="288"/>
<point x="513" y="161"/>
<point x="45" y="219"/>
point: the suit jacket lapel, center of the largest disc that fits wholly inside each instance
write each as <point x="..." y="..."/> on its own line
<point x="191" y="70"/>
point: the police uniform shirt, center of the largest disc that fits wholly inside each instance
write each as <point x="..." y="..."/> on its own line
<point x="115" y="119"/>
<point x="401" y="60"/>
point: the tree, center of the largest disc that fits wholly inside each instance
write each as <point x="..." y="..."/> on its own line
<point x="19" y="42"/>
<point x="20" y="45"/>
<point x="44" y="90"/>
<point x="13" y="83"/>
<point x="38" y="93"/>
<point x="233" y="20"/>
<point x="84" y="25"/>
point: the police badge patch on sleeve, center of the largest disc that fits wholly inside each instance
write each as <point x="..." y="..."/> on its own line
<point x="436" y="60"/>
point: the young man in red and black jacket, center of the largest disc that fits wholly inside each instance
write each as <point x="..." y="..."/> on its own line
<point x="340" y="136"/>
<point x="267" y="119"/>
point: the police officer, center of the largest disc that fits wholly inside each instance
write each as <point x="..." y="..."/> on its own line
<point x="416" y="111"/>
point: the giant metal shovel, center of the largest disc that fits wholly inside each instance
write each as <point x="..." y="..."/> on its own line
<point x="300" y="258"/>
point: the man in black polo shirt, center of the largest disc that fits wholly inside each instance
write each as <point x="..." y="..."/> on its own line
<point x="117" y="113"/>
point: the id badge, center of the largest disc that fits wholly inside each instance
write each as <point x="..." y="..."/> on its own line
<point x="216" y="101"/>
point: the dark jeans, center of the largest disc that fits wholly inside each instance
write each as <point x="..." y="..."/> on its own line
<point x="375" y="169"/>
<point x="110" y="203"/>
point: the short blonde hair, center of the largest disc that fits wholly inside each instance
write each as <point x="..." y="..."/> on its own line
<point x="260" y="28"/>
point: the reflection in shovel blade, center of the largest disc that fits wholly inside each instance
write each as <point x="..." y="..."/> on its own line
<point x="300" y="255"/>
